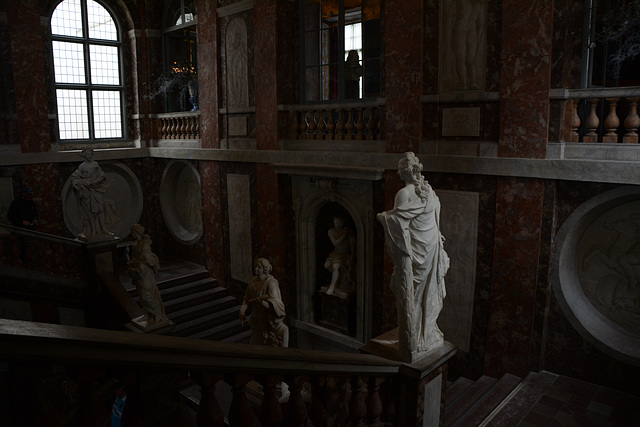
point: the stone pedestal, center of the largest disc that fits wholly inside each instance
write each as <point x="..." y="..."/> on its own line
<point x="337" y="311"/>
<point x="422" y="384"/>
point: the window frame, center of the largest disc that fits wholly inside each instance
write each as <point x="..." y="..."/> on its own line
<point x="89" y="87"/>
<point x="341" y="55"/>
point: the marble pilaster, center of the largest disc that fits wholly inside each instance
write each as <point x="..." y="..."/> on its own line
<point x="208" y="82"/>
<point x="524" y="113"/>
<point x="212" y="216"/>
<point x="403" y="56"/>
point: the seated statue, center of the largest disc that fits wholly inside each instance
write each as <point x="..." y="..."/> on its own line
<point x="341" y="260"/>
<point x="263" y="298"/>
<point x="143" y="266"/>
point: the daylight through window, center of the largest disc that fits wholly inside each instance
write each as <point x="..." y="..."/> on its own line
<point x="87" y="71"/>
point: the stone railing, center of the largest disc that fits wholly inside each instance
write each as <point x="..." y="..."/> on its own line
<point x="68" y="373"/>
<point x="42" y="252"/>
<point x="600" y="115"/>
<point x="178" y="125"/>
<point x="339" y="121"/>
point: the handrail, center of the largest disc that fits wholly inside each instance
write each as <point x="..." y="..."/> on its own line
<point x="42" y="236"/>
<point x="24" y="340"/>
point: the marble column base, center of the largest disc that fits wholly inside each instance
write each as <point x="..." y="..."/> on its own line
<point x="387" y="345"/>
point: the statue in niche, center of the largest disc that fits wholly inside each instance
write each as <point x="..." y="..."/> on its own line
<point x="415" y="244"/>
<point x="89" y="183"/>
<point x="340" y="261"/>
<point x="142" y="268"/>
<point x="263" y="299"/>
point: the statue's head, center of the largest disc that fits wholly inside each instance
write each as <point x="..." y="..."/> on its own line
<point x="409" y="166"/>
<point x="137" y="229"/>
<point x="87" y="153"/>
<point x="266" y="266"/>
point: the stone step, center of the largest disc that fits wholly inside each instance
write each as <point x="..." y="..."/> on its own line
<point x="197" y="310"/>
<point x="193" y="326"/>
<point x="220" y="332"/>
<point x="476" y="413"/>
<point x="241" y="338"/>
<point x="192" y="299"/>
<point x="456" y="388"/>
<point x="520" y="401"/>
<point x="457" y="407"/>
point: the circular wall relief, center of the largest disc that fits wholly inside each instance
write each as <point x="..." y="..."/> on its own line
<point x="181" y="201"/>
<point x="122" y="197"/>
<point x="597" y="272"/>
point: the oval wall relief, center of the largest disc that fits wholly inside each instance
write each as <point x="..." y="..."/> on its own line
<point x="597" y="272"/>
<point x="181" y="201"/>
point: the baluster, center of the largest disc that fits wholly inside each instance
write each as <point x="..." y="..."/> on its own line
<point x="270" y="409"/>
<point x="611" y="122"/>
<point x="350" y="125"/>
<point x="360" y="124"/>
<point x="340" y="125"/>
<point x="370" y="125"/>
<point x="303" y="125"/>
<point x="183" y="128"/>
<point x="209" y="411"/>
<point x="240" y="411"/>
<point x="293" y="116"/>
<point x="191" y="127"/>
<point x="321" y="125"/>
<point x="312" y="125"/>
<point x="592" y="123"/>
<point x="388" y="397"/>
<point x="337" y="402"/>
<point x="380" y="131"/>
<point x="632" y="122"/>
<point x="317" y="408"/>
<point x="373" y="402"/>
<point x="357" y="406"/>
<point x="163" y="131"/>
<point x="330" y="126"/>
<point x="174" y="128"/>
<point x="296" y="414"/>
<point x="197" y="130"/>
<point x="575" y="121"/>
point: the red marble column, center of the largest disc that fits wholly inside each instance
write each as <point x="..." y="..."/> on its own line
<point x="524" y="112"/>
<point x="208" y="81"/>
<point x="27" y="56"/>
<point x="267" y="54"/>
<point x="403" y="56"/>
<point x="403" y="41"/>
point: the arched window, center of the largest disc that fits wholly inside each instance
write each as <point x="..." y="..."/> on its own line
<point x="86" y="47"/>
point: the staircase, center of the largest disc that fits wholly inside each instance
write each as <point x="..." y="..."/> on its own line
<point x="199" y="307"/>
<point x="541" y="399"/>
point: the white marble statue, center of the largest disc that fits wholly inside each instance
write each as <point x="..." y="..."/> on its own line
<point x="340" y="261"/>
<point x="89" y="183"/>
<point x="263" y="299"/>
<point x="414" y="242"/>
<point x="143" y="266"/>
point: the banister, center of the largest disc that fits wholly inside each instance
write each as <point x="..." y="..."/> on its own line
<point x="42" y="236"/>
<point x="22" y="340"/>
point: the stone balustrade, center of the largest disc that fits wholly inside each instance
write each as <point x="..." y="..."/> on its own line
<point x="600" y="115"/>
<point x="77" y="365"/>
<point x="348" y="121"/>
<point x="43" y="253"/>
<point x="178" y="125"/>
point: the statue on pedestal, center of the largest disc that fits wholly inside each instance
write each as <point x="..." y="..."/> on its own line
<point x="143" y="266"/>
<point x="263" y="298"/>
<point x="414" y="242"/>
<point x="341" y="260"/>
<point x="89" y="183"/>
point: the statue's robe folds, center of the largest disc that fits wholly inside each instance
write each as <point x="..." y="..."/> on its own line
<point x="414" y="242"/>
